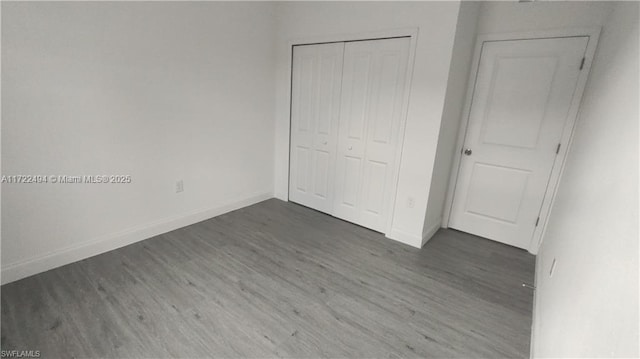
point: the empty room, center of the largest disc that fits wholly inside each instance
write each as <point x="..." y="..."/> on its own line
<point x="311" y="179"/>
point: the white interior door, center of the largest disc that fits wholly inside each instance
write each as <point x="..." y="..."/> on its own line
<point x="375" y="73"/>
<point x="520" y="105"/>
<point x="315" y="111"/>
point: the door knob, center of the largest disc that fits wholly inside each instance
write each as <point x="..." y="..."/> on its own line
<point x="467" y="151"/>
<point x="527" y="285"/>
<point x="324" y="143"/>
<point x="350" y="148"/>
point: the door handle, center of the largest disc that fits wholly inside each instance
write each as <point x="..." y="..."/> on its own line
<point x="468" y="151"/>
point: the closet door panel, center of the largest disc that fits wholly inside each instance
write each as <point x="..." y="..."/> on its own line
<point x="354" y="116"/>
<point x="315" y="108"/>
<point x="375" y="74"/>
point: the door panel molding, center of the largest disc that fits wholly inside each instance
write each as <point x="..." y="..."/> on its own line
<point x="374" y="75"/>
<point x="315" y="107"/>
<point x="593" y="34"/>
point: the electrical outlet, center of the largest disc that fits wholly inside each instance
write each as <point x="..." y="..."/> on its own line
<point x="411" y="202"/>
<point x="553" y="268"/>
<point x="179" y="186"/>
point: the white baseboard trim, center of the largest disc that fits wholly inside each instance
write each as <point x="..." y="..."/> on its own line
<point x="102" y="244"/>
<point x="430" y="231"/>
<point x="404" y="237"/>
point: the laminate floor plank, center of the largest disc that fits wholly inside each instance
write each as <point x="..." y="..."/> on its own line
<point x="278" y="280"/>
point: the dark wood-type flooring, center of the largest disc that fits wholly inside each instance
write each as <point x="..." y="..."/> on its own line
<point x="278" y="280"/>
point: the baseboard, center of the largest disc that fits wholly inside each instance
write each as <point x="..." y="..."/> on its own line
<point x="534" y="311"/>
<point x="428" y="232"/>
<point x="404" y="237"/>
<point x="63" y="256"/>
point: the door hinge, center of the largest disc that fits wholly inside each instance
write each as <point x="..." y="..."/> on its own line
<point x="558" y="148"/>
<point x="582" y="63"/>
<point x="537" y="221"/>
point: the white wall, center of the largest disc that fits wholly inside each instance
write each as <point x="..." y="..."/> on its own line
<point x="511" y="16"/>
<point x="437" y="23"/>
<point x="158" y="91"/>
<point x="589" y="308"/>
<point x="0" y="144"/>
<point x="463" y="47"/>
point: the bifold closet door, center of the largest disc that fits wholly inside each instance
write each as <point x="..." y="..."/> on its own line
<point x="315" y="112"/>
<point x="373" y="92"/>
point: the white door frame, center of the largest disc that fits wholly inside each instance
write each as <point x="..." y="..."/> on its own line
<point x="567" y="133"/>
<point x="411" y="32"/>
